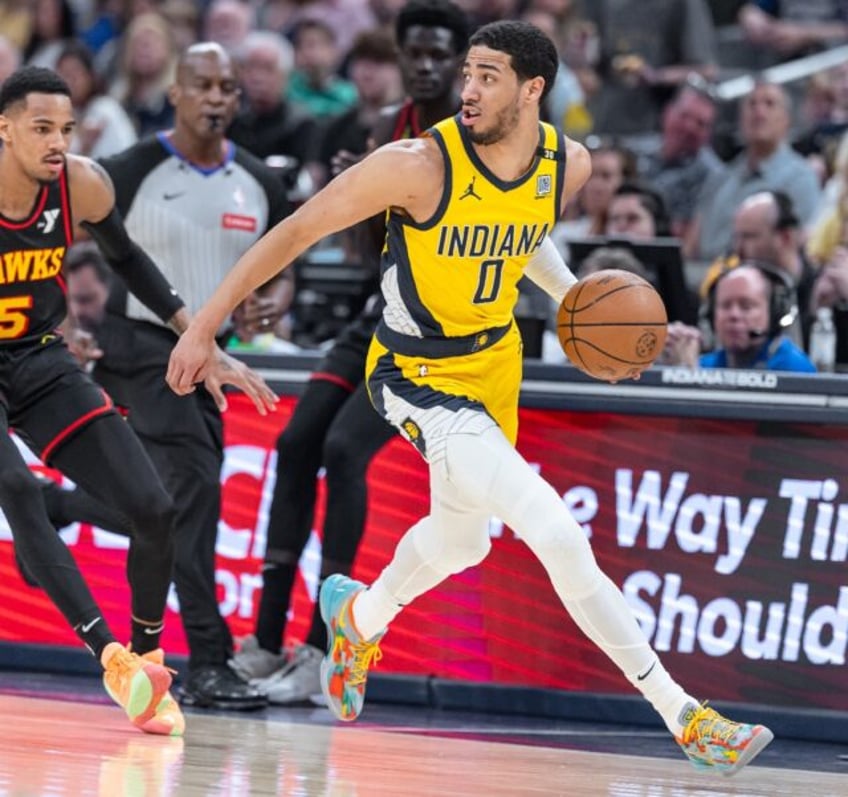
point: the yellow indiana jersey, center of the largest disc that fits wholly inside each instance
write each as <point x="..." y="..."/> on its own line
<point x="456" y="273"/>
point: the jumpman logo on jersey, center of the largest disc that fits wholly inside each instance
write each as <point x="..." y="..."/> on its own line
<point x="470" y="190"/>
<point x="47" y="224"/>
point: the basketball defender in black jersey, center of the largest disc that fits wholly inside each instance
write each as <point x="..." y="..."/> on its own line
<point x="58" y="411"/>
<point x="334" y="424"/>
<point x="195" y="201"/>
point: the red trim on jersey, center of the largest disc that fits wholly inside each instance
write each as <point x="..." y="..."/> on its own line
<point x="19" y="225"/>
<point x="71" y="428"/>
<point x="335" y="379"/>
<point x="65" y="195"/>
<point x="407" y="125"/>
<point x="62" y="284"/>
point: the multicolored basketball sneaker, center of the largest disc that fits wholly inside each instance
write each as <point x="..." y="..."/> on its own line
<point x="713" y="742"/>
<point x="344" y="670"/>
<point x="135" y="684"/>
<point x="167" y="719"/>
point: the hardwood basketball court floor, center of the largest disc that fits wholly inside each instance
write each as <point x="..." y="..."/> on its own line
<point x="62" y="736"/>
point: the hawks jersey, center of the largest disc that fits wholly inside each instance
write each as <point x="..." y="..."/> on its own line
<point x="456" y="274"/>
<point x="32" y="251"/>
<point x="194" y="223"/>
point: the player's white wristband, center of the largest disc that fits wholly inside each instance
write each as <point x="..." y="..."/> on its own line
<point x="549" y="271"/>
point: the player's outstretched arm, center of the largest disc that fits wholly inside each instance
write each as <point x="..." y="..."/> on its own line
<point x="406" y="174"/>
<point x="93" y="200"/>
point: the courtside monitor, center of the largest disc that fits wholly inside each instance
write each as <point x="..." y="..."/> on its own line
<point x="662" y="259"/>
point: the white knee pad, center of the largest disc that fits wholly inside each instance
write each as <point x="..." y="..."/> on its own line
<point x="453" y="538"/>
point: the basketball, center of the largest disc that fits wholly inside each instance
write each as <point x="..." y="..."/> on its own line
<point x="612" y="324"/>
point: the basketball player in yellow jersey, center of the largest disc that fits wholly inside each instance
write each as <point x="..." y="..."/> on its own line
<point x="450" y="283"/>
<point x="469" y="207"/>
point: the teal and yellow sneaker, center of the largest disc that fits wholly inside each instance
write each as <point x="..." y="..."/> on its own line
<point x="713" y="742"/>
<point x="344" y="670"/>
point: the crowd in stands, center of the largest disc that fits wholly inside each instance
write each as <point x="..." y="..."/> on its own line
<point x="672" y="159"/>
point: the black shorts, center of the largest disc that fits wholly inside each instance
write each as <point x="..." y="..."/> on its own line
<point x="344" y="363"/>
<point x="46" y="396"/>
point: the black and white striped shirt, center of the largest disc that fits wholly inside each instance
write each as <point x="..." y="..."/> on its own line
<point x="194" y="223"/>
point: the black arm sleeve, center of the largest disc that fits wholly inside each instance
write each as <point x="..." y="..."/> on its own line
<point x="134" y="266"/>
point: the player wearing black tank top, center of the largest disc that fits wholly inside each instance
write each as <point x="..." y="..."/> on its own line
<point x="58" y="411"/>
<point x="334" y="424"/>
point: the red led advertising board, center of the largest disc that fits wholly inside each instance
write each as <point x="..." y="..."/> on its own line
<point x="729" y="539"/>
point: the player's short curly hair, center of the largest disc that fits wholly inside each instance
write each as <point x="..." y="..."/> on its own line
<point x="433" y="14"/>
<point x="30" y="80"/>
<point x="532" y="53"/>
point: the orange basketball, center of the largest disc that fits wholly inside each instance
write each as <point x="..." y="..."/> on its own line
<point x="612" y="324"/>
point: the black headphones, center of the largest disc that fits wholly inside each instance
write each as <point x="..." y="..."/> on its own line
<point x="783" y="306"/>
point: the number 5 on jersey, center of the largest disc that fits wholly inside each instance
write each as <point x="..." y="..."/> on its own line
<point x="14" y="322"/>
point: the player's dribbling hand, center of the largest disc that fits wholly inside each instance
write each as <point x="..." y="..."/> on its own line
<point x="226" y="369"/>
<point x="635" y="375"/>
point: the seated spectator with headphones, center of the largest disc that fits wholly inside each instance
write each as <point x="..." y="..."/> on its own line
<point x="766" y="229"/>
<point x="749" y="308"/>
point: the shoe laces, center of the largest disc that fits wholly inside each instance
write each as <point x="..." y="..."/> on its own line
<point x="122" y="662"/>
<point x="708" y="723"/>
<point x="152" y="657"/>
<point x="364" y="655"/>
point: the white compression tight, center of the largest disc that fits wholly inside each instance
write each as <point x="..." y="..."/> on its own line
<point x="483" y="475"/>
